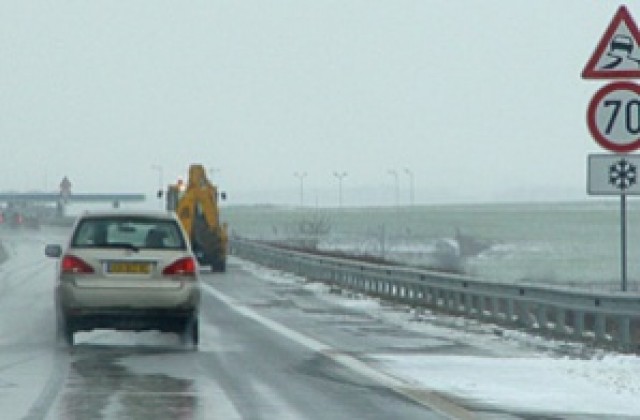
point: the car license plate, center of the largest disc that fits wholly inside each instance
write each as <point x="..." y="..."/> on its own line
<point x="121" y="267"/>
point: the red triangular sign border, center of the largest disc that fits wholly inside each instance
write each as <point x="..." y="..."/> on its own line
<point x="590" y="71"/>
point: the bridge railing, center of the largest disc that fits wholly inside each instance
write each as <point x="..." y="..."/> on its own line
<point x="608" y="319"/>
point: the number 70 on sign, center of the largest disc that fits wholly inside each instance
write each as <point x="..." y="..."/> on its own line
<point x="613" y="117"/>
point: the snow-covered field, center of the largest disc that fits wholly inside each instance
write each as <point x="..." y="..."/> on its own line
<point x="516" y="371"/>
<point x="563" y="243"/>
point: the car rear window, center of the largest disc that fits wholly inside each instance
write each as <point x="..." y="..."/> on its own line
<point x="137" y="232"/>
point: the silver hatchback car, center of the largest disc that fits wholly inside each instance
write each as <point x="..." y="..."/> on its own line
<point x="127" y="270"/>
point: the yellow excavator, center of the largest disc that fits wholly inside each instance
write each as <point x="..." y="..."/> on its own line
<point x="196" y="205"/>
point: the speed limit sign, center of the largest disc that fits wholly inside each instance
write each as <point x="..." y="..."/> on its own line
<point x="613" y="117"/>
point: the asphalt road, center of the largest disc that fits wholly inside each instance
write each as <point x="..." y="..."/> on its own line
<point x="273" y="346"/>
<point x="268" y="350"/>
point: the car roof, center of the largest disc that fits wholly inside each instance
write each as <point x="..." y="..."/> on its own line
<point x="152" y="214"/>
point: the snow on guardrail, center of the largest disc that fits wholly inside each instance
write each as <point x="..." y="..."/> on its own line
<point x="607" y="319"/>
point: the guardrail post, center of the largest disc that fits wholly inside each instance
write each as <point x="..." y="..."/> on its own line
<point x="426" y="294"/>
<point x="524" y="318"/>
<point x="457" y="298"/>
<point x="435" y="297"/>
<point x="495" y="308"/>
<point x="481" y="305"/>
<point x="560" y="318"/>
<point x="415" y="294"/>
<point x="542" y="317"/>
<point x="468" y="303"/>
<point x="511" y="311"/>
<point x="451" y="300"/>
<point x="624" y="332"/>
<point x="600" y="328"/>
<point x="578" y="324"/>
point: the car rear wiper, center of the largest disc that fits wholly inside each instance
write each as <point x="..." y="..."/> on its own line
<point x="125" y="245"/>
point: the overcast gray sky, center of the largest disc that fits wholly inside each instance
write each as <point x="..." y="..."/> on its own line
<point x="481" y="100"/>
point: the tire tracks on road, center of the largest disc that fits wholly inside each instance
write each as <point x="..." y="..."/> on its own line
<point x="423" y="397"/>
<point x="41" y="407"/>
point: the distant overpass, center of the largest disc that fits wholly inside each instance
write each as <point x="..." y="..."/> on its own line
<point x="27" y="207"/>
<point x="40" y="197"/>
<point x="65" y="196"/>
<point x="34" y="208"/>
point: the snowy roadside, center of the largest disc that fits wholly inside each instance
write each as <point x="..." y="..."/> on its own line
<point x="517" y="372"/>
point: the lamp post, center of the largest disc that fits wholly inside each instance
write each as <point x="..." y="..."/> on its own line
<point x="411" y="186"/>
<point x="301" y="176"/>
<point x="340" y="176"/>
<point x="160" y="182"/>
<point x="394" y="174"/>
<point x="212" y="171"/>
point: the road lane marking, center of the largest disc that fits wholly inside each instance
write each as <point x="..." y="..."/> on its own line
<point x="421" y="396"/>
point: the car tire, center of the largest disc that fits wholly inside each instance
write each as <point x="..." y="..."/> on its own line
<point x="64" y="331"/>
<point x="68" y="333"/>
<point x="219" y="266"/>
<point x="195" y="332"/>
<point x="59" y="333"/>
<point x="191" y="333"/>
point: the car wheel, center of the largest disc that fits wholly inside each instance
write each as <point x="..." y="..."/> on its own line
<point x="59" y="331"/>
<point x="217" y="266"/>
<point x="68" y="333"/>
<point x="64" y="331"/>
<point x="191" y="333"/>
<point x="195" y="332"/>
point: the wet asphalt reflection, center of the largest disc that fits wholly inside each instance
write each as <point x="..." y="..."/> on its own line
<point x="98" y="385"/>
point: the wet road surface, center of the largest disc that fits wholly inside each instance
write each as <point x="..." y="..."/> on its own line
<point x="243" y="369"/>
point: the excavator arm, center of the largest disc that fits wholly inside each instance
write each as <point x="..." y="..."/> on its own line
<point x="198" y="201"/>
<point x="198" y="212"/>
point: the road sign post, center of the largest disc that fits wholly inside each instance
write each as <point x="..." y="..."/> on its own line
<point x="613" y="117"/>
<point x="623" y="241"/>
<point x="610" y="174"/>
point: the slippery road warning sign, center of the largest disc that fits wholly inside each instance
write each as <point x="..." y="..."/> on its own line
<point x="618" y="52"/>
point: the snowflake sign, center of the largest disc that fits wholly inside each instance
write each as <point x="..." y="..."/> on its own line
<point x="623" y="174"/>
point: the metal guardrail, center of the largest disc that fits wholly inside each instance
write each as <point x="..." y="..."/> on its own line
<point x="610" y="320"/>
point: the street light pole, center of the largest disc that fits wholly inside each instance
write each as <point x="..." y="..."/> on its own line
<point x="340" y="176"/>
<point x="301" y="176"/>
<point x="160" y="182"/>
<point x="394" y="173"/>
<point x="212" y="172"/>
<point x="411" y="186"/>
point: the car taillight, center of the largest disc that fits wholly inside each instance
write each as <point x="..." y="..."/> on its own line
<point x="75" y="265"/>
<point x="183" y="267"/>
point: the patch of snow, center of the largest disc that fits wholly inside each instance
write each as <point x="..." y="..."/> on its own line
<point x="520" y="371"/>
<point x="609" y="386"/>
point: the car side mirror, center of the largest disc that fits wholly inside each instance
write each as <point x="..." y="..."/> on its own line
<point x="53" y="251"/>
